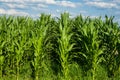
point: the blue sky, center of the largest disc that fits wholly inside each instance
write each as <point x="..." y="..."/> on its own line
<point x="33" y="8"/>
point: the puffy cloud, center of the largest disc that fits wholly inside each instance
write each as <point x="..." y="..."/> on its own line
<point x="58" y="10"/>
<point x="66" y="4"/>
<point x="2" y="11"/>
<point x="49" y="1"/>
<point x="18" y="1"/>
<point x="42" y="5"/>
<point x="63" y="3"/>
<point x="92" y="0"/>
<point x="103" y="4"/>
<point x="10" y="5"/>
<point x="12" y="12"/>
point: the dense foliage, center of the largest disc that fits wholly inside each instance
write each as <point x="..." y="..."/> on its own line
<point x="59" y="48"/>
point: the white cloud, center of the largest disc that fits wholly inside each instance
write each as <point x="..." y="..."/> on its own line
<point x="13" y="12"/>
<point x="2" y="11"/>
<point x="40" y="9"/>
<point x="16" y="5"/>
<point x="35" y="16"/>
<point x="58" y="11"/>
<point x="92" y="0"/>
<point x="63" y="3"/>
<point x="42" y="5"/>
<point x="31" y="1"/>
<point x="49" y="1"/>
<point x="54" y="15"/>
<point x="18" y="1"/>
<point x="42" y="1"/>
<point x="66" y="4"/>
<point x="103" y="4"/>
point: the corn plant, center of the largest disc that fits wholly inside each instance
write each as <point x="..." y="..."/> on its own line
<point x="17" y="40"/>
<point x="64" y="44"/>
<point x="110" y="33"/>
<point x="39" y="42"/>
<point x="91" y="46"/>
<point x="2" y="57"/>
<point x="55" y="48"/>
<point x="5" y="22"/>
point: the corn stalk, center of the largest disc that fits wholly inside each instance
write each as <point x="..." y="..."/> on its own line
<point x="2" y="57"/>
<point x="64" y="44"/>
<point x="38" y="40"/>
<point x="91" y="45"/>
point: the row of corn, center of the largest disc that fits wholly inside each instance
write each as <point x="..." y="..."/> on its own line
<point x="79" y="48"/>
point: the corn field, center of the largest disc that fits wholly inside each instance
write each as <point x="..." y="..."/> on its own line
<point x="59" y="48"/>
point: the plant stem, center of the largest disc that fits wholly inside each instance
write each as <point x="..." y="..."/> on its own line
<point x="17" y="64"/>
